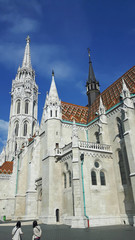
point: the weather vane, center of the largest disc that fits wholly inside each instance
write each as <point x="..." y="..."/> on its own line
<point x="88" y="53"/>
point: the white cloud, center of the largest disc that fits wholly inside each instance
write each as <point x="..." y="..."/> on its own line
<point x="81" y="87"/>
<point x="44" y="58"/>
<point x="3" y="126"/>
<point x="25" y="25"/>
<point x="20" y="17"/>
<point x="3" y="133"/>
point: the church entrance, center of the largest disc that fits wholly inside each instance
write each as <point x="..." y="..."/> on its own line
<point x="57" y="215"/>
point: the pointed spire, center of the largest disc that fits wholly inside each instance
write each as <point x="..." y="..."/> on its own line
<point x="125" y="91"/>
<point x="53" y="94"/>
<point x="91" y="75"/>
<point x="101" y="107"/>
<point x="27" y="57"/>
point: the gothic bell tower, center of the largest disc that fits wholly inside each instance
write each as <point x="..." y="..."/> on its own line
<point x="92" y="84"/>
<point x="24" y="105"/>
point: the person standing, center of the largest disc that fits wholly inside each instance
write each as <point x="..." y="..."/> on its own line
<point x="36" y="231"/>
<point x="17" y="231"/>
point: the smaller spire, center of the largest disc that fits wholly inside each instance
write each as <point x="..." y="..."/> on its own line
<point x="27" y="57"/>
<point x="101" y="107"/>
<point x="125" y="91"/>
<point x="91" y="75"/>
<point x="53" y="94"/>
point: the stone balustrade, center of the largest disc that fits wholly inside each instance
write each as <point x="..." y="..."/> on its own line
<point x="61" y="151"/>
<point x="94" y="146"/>
<point x="84" y="146"/>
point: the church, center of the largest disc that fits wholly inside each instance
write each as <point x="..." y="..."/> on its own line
<point x="77" y="167"/>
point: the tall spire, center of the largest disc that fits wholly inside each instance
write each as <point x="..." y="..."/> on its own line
<point x="91" y="75"/>
<point x="92" y="84"/>
<point x="27" y="58"/>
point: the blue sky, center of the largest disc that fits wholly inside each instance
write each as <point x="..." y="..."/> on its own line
<point x="60" y="32"/>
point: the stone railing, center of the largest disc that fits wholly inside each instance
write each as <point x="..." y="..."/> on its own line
<point x="85" y="146"/>
<point x="61" y="151"/>
<point x="94" y="146"/>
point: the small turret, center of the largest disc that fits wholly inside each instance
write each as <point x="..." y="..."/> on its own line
<point x="52" y="107"/>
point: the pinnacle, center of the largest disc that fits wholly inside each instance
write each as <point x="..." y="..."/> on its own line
<point x="27" y="57"/>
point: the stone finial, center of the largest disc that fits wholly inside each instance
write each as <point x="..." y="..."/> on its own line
<point x="101" y="107"/>
<point x="28" y="39"/>
<point x="125" y="91"/>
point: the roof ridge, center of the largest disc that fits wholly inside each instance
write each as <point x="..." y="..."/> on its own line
<point x="117" y="80"/>
<point x="74" y="104"/>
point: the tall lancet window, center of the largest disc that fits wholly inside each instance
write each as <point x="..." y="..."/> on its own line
<point x="18" y="106"/>
<point x="65" y="180"/>
<point x="26" y="107"/>
<point x="34" y="109"/>
<point x="120" y="127"/>
<point x="93" y="178"/>
<point x="102" y="178"/>
<point x="16" y="128"/>
<point x="25" y="128"/>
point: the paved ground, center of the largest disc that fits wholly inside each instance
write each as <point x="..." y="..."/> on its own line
<point x="62" y="232"/>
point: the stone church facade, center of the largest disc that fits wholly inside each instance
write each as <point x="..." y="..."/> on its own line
<point x="78" y="166"/>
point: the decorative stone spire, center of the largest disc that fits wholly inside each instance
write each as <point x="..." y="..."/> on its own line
<point x="52" y="107"/>
<point x="53" y="94"/>
<point x="125" y="91"/>
<point x="101" y="107"/>
<point x="125" y="95"/>
<point x="92" y="84"/>
<point x="27" y="58"/>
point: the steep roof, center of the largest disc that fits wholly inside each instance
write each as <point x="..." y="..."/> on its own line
<point x="71" y="111"/>
<point x="110" y="97"/>
<point x="6" y="167"/>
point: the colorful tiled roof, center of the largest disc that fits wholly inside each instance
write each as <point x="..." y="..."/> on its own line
<point x="6" y="168"/>
<point x="72" y="112"/>
<point x="110" y="97"/>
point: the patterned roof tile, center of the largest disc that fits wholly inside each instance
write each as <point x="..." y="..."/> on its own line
<point x="110" y="97"/>
<point x="6" y="167"/>
<point x="71" y="111"/>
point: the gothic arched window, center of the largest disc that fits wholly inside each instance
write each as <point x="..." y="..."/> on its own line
<point x="25" y="128"/>
<point x="16" y="128"/>
<point x="97" y="137"/>
<point x="120" y="127"/>
<point x="65" y="180"/>
<point x="33" y="128"/>
<point x="70" y="180"/>
<point x="15" y="147"/>
<point x="50" y="113"/>
<point x="18" y="106"/>
<point x="93" y="178"/>
<point x="102" y="178"/>
<point x="34" y="105"/>
<point x="122" y="168"/>
<point x="26" y="107"/>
